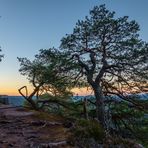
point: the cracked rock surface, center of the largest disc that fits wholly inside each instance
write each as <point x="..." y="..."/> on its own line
<point x="20" y="128"/>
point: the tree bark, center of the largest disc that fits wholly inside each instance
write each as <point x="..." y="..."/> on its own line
<point x="85" y="108"/>
<point x="100" y="108"/>
<point x="30" y="97"/>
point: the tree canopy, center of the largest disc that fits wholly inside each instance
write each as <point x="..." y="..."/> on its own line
<point x="50" y="72"/>
<point x="110" y="53"/>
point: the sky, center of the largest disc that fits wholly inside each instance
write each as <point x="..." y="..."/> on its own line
<point x="29" y="25"/>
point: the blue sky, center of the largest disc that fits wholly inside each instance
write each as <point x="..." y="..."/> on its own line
<point x="29" y="25"/>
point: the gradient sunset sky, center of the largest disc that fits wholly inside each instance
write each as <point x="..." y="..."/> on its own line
<point x="29" y="25"/>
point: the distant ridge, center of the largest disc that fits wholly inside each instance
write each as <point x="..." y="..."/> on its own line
<point x="19" y="100"/>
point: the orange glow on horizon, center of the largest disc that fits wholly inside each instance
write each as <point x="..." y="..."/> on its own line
<point x="11" y="92"/>
<point x="12" y="88"/>
<point x="82" y="91"/>
<point x="14" y="91"/>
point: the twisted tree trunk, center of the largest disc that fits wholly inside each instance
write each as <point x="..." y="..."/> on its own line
<point x="100" y="107"/>
<point x="29" y="98"/>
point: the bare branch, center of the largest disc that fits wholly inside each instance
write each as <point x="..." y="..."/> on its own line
<point x="26" y="90"/>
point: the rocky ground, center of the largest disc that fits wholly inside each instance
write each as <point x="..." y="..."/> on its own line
<point x="20" y="128"/>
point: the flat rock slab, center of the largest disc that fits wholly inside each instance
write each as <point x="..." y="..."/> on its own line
<point x="20" y="128"/>
<point x="14" y="111"/>
<point x="2" y="106"/>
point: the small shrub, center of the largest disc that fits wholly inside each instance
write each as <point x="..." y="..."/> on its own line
<point x="87" y="133"/>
